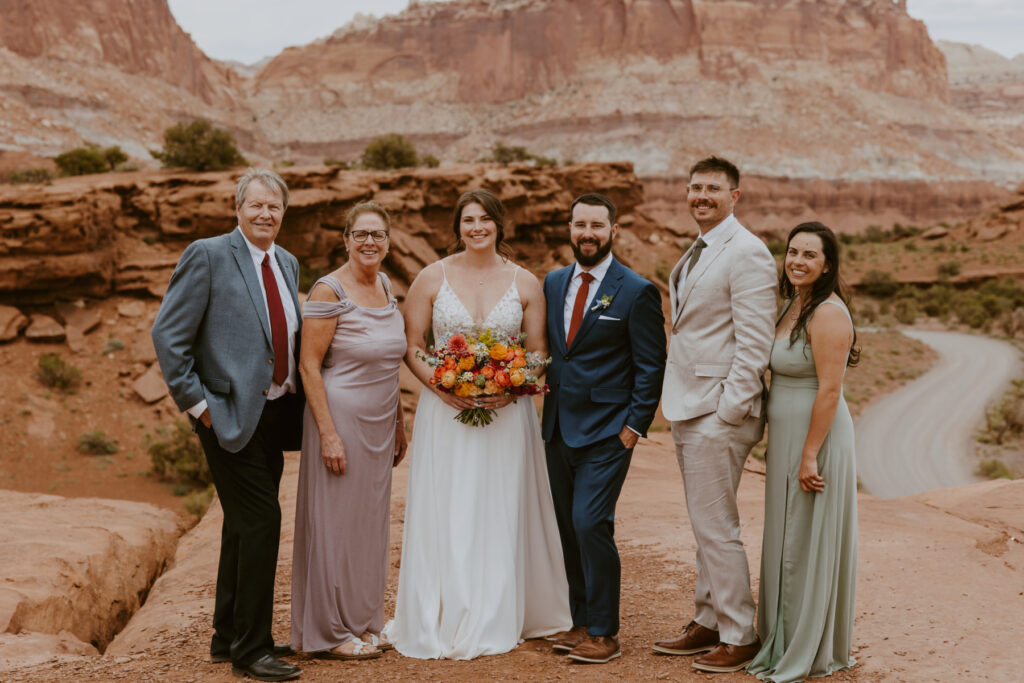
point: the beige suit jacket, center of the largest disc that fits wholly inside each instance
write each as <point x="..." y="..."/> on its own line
<point x="723" y="326"/>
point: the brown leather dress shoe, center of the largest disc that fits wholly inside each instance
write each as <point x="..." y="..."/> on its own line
<point x="694" y="640"/>
<point x="596" y="650"/>
<point x="567" y="640"/>
<point x="726" y="657"/>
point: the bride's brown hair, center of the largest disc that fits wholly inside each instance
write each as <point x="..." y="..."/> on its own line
<point x="494" y="208"/>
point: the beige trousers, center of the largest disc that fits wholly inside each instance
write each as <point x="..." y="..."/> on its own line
<point x="711" y="453"/>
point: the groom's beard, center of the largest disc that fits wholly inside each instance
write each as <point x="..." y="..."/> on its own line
<point x="586" y="260"/>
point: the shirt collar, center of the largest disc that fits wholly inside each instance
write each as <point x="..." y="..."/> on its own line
<point x="255" y="251"/>
<point x="712" y="234"/>
<point x="598" y="271"/>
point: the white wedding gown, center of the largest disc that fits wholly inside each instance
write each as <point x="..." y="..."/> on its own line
<point x="481" y="556"/>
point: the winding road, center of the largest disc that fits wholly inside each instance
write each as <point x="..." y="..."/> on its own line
<point x="920" y="437"/>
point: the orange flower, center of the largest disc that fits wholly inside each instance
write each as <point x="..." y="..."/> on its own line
<point x="519" y="362"/>
<point x="438" y="371"/>
<point x="457" y="344"/>
<point x="501" y="378"/>
<point x="487" y="371"/>
<point x="520" y="352"/>
<point x="450" y="363"/>
<point x="491" y="387"/>
<point x="448" y="379"/>
<point x="499" y="351"/>
<point x="510" y="356"/>
<point x="517" y="377"/>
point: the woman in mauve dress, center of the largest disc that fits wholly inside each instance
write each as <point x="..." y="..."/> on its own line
<point x="353" y="341"/>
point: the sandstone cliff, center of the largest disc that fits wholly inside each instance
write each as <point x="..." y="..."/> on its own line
<point x="988" y="86"/>
<point x="96" y="235"/>
<point x="836" y="89"/>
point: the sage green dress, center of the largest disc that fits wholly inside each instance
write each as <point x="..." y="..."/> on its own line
<point x="809" y="557"/>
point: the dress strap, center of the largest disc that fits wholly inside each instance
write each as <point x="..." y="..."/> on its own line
<point x="515" y="274"/>
<point x="444" y="274"/>
<point x="328" y="309"/>
<point x="386" y="282"/>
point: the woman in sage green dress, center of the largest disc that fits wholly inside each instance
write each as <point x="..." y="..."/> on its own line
<point x="809" y="556"/>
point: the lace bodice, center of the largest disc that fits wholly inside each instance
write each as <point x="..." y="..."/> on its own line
<point x="450" y="315"/>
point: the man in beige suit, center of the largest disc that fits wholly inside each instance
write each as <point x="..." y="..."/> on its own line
<point x="723" y="324"/>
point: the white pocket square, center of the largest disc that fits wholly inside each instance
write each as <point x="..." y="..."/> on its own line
<point x="607" y="317"/>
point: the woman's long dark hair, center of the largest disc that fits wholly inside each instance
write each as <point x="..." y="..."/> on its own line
<point x="828" y="283"/>
<point x="494" y="208"/>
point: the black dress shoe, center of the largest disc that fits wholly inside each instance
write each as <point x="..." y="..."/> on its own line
<point x="267" y="668"/>
<point x="282" y="650"/>
<point x="219" y="658"/>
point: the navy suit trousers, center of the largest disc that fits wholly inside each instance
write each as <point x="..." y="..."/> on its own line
<point x="585" y="486"/>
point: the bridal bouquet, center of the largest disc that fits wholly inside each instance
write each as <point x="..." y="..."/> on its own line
<point x="485" y="364"/>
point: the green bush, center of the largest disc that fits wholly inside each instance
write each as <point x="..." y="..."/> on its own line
<point x="430" y="161"/>
<point x="55" y="373"/>
<point x="90" y="159"/>
<point x="949" y="269"/>
<point x="878" y="283"/>
<point x="937" y="300"/>
<point x="337" y="162"/>
<point x="113" y="344"/>
<point x="198" y="501"/>
<point x="1004" y="420"/>
<point x="905" y="310"/>
<point x="23" y="176"/>
<point x="389" y="151"/>
<point x="178" y="456"/>
<point x="198" y="146"/>
<point x="970" y="312"/>
<point x="96" y="443"/>
<point x="505" y="154"/>
<point x="993" y="469"/>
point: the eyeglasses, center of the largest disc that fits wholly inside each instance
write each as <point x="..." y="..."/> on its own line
<point x="362" y="235"/>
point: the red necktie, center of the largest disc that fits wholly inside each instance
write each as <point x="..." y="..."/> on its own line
<point x="577" y="308"/>
<point x="278" y="323"/>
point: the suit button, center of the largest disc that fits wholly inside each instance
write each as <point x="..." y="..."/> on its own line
<point x="270" y="361"/>
<point x="565" y="357"/>
<point x="266" y="391"/>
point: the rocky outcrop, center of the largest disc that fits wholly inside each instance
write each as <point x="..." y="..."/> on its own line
<point x="988" y="86"/>
<point x="834" y="89"/>
<point x="124" y="232"/>
<point x="76" y="567"/>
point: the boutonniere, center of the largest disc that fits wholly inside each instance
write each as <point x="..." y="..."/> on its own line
<point x="603" y="303"/>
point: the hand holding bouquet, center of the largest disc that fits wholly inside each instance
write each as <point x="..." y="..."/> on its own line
<point x="485" y="364"/>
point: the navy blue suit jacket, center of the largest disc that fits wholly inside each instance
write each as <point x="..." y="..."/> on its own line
<point x="611" y="376"/>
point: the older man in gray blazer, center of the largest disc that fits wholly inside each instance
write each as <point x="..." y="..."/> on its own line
<point x="723" y="325"/>
<point x="226" y="337"/>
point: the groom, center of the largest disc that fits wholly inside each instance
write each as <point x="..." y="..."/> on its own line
<point x="606" y="332"/>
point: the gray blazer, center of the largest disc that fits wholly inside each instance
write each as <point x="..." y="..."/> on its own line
<point x="723" y="327"/>
<point x="212" y="334"/>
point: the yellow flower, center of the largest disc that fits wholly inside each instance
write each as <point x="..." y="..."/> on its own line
<point x="517" y="377"/>
<point x="448" y="379"/>
<point x="466" y="363"/>
<point x="499" y="351"/>
<point x="462" y="389"/>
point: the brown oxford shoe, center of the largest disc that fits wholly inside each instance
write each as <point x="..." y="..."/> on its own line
<point x="567" y="640"/>
<point x="596" y="650"/>
<point x="694" y="640"/>
<point x="726" y="657"/>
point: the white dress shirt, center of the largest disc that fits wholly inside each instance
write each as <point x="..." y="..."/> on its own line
<point x="709" y="238"/>
<point x="290" y="315"/>
<point x="598" y="271"/>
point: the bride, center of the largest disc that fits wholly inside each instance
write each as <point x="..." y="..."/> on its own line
<point x="481" y="557"/>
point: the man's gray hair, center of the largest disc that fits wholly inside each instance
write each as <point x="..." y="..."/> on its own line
<point x="267" y="178"/>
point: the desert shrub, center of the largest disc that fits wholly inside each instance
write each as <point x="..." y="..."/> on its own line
<point x="905" y="310"/>
<point x="390" y="151"/>
<point x="430" y="161"/>
<point x="776" y="245"/>
<point x="126" y="167"/>
<point x="1004" y="419"/>
<point x="337" y="162"/>
<point x="96" y="443"/>
<point x="937" y="300"/>
<point x="90" y="159"/>
<point x="113" y="344"/>
<point x="57" y="374"/>
<point x="993" y="469"/>
<point x="878" y="283"/>
<point x="308" y="276"/>
<point x="970" y="312"/>
<point x="662" y="272"/>
<point x="22" y="176"/>
<point x="198" y="146"/>
<point x="198" y="501"/>
<point x="178" y="456"/>
<point x="510" y="154"/>
<point x="949" y="269"/>
<point x="875" y="233"/>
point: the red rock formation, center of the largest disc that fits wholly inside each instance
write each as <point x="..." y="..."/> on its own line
<point x="124" y="232"/>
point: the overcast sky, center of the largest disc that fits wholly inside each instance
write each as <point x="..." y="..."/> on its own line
<point x="249" y="30"/>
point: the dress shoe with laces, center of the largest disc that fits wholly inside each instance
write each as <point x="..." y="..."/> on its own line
<point x="279" y="650"/>
<point x="267" y="668"/>
<point x="567" y="640"/>
<point x="726" y="657"/>
<point x="596" y="650"/>
<point x="694" y="640"/>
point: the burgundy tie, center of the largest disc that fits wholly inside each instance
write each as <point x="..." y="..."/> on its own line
<point x="577" y="308"/>
<point x="278" y="323"/>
